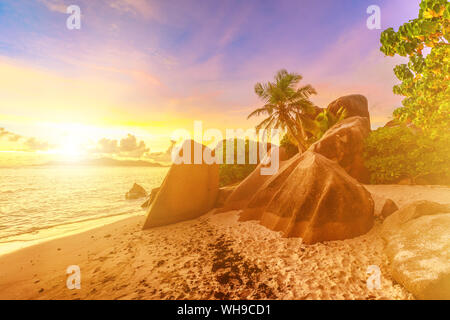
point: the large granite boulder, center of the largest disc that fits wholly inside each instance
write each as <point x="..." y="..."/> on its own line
<point x="188" y="191"/>
<point x="344" y="143"/>
<point x="315" y="112"/>
<point x="310" y="197"/>
<point x="254" y="150"/>
<point x="418" y="247"/>
<point x="241" y="193"/>
<point x="136" y="192"/>
<point x="354" y="105"/>
<point x="244" y="191"/>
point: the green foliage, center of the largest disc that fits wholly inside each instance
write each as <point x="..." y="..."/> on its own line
<point x="290" y="147"/>
<point x="232" y="173"/>
<point x="284" y="104"/>
<point x="401" y="152"/>
<point x="322" y="122"/>
<point x="425" y="79"/>
<point x="315" y="128"/>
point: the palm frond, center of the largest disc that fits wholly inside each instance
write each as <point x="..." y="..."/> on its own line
<point x="263" y="90"/>
<point x="266" y="123"/>
<point x="307" y="91"/>
<point x="265" y="109"/>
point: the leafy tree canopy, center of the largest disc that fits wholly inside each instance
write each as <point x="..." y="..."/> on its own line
<point x="425" y="78"/>
<point x="417" y="147"/>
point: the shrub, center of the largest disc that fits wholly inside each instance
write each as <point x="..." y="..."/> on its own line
<point x="290" y="147"/>
<point x="425" y="78"/>
<point x="400" y="152"/>
<point x="232" y="173"/>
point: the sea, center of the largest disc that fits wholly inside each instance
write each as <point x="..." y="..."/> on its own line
<point x="43" y="202"/>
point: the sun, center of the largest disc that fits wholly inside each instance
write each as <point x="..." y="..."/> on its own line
<point x="71" y="149"/>
<point x="74" y="140"/>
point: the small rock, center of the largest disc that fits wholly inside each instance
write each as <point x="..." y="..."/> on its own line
<point x="389" y="208"/>
<point x="136" y="192"/>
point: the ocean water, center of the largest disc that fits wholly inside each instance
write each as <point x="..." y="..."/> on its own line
<point x="33" y="199"/>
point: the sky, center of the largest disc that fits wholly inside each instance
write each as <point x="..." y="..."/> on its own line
<point x="139" y="69"/>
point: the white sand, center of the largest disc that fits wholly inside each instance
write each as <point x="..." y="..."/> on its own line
<point x="213" y="257"/>
<point x="403" y="195"/>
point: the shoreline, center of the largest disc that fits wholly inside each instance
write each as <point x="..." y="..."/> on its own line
<point x="211" y="257"/>
<point x="10" y="244"/>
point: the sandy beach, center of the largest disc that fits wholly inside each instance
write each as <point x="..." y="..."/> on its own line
<point x="211" y="257"/>
<point x="225" y="150"/>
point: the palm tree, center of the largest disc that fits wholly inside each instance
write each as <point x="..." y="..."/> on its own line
<point x="286" y="104"/>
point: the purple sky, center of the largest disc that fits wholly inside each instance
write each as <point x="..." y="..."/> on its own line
<point x="147" y="67"/>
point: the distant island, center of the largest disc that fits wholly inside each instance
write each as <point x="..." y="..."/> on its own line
<point x="106" y="162"/>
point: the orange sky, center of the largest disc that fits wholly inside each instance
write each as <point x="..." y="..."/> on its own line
<point x="138" y="70"/>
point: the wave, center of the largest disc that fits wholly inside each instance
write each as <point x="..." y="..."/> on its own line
<point x="37" y="229"/>
<point x="19" y="190"/>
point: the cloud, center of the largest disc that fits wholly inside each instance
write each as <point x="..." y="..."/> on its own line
<point x="165" y="156"/>
<point x="134" y="7"/>
<point x="55" y="5"/>
<point x="107" y="146"/>
<point x="9" y="135"/>
<point x="24" y="143"/>
<point x="130" y="146"/>
<point x="32" y="144"/>
<point x="126" y="147"/>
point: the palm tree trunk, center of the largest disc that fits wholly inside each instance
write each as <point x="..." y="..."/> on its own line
<point x="301" y="147"/>
<point x="300" y="142"/>
<point x="303" y="135"/>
